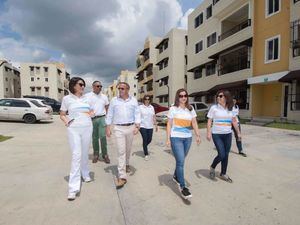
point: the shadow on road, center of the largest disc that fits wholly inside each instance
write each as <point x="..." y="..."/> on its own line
<point x="92" y="176"/>
<point x="203" y="173"/>
<point x="166" y="180"/>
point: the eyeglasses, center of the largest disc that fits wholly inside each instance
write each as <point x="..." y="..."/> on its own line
<point x="148" y="99"/>
<point x="182" y="96"/>
<point x="81" y="84"/>
<point x="121" y="88"/>
<point x="220" y="96"/>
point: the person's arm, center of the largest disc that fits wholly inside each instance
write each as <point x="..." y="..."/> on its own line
<point x="155" y="123"/>
<point x="109" y="118"/>
<point x="169" y="125"/>
<point x="208" y="129"/>
<point x="137" y="118"/>
<point x="63" y="117"/>
<point x="196" y="130"/>
<point x="236" y="127"/>
<point x="106" y="104"/>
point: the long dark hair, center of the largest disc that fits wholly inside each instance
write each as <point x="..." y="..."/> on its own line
<point x="73" y="82"/>
<point x="228" y="98"/>
<point x="187" y="105"/>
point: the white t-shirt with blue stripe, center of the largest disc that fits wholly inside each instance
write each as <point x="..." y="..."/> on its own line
<point x="222" y="119"/>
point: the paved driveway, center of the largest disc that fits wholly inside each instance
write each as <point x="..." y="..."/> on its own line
<point x="34" y="168"/>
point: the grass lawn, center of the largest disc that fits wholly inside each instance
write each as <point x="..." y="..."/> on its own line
<point x="288" y="126"/>
<point x="4" y="138"/>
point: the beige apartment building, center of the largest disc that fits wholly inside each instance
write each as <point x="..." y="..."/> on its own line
<point x="129" y="77"/>
<point x="291" y="81"/>
<point x="220" y="34"/>
<point x="45" y="79"/>
<point x="112" y="90"/>
<point x="10" y="84"/>
<point x="171" y="65"/>
<point x="146" y="67"/>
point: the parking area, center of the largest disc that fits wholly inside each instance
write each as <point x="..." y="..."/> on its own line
<point x="35" y="164"/>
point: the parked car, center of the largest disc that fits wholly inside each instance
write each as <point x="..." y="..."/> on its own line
<point x="159" y="108"/>
<point x="200" y="108"/>
<point x="39" y="103"/>
<point x="48" y="101"/>
<point x="23" y="109"/>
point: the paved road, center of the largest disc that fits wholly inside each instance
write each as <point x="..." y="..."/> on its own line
<point x="34" y="168"/>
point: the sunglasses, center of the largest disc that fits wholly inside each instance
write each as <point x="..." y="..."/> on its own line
<point x="182" y="96"/>
<point x="220" y="96"/>
<point x="81" y="84"/>
<point x="147" y="99"/>
<point x="121" y="89"/>
<point x="98" y="86"/>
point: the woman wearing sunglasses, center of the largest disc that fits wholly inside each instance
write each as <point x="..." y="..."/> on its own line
<point x="148" y="121"/>
<point x="181" y="121"/>
<point x="220" y="120"/>
<point x="80" y="128"/>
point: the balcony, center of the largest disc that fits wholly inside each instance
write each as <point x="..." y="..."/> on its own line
<point x="235" y="29"/>
<point x="223" y="7"/>
<point x="295" y="37"/>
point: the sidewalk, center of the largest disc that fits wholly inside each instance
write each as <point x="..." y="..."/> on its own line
<point x="35" y="165"/>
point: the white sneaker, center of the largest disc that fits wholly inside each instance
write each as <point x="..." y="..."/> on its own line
<point x="87" y="180"/>
<point x="71" y="196"/>
<point x="146" y="157"/>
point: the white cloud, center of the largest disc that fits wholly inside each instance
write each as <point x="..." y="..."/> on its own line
<point x="184" y="19"/>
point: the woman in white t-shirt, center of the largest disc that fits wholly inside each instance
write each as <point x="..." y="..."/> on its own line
<point x="148" y="121"/>
<point x="220" y="120"/>
<point x="80" y="128"/>
<point x="181" y="121"/>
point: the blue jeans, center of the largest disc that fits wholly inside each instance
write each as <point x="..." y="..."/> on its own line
<point x="180" y="148"/>
<point x="147" y="138"/>
<point x="223" y="145"/>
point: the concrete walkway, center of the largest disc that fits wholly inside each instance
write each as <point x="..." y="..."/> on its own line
<point x="34" y="168"/>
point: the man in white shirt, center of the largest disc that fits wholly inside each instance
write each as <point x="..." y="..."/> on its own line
<point x="124" y="114"/>
<point x="99" y="103"/>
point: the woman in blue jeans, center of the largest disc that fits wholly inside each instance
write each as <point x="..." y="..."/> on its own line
<point x="181" y="121"/>
<point x="220" y="120"/>
<point x="148" y="121"/>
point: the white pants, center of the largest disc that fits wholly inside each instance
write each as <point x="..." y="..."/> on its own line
<point x="79" y="140"/>
<point x="124" y="137"/>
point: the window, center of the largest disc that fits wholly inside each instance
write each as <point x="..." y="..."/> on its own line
<point x="208" y="12"/>
<point x="166" y="44"/>
<point x="215" y="2"/>
<point x="6" y="89"/>
<point x="272" y="49"/>
<point x="198" y="47"/>
<point x="134" y="86"/>
<point x="46" y="69"/>
<point x="38" y="69"/>
<point x="32" y="78"/>
<point x="36" y="103"/>
<point x="186" y="59"/>
<point x="20" y="103"/>
<point x="295" y="37"/>
<point x="210" y="69"/>
<point x="134" y="94"/>
<point x="166" y="63"/>
<point x="197" y="73"/>
<point x="201" y="106"/>
<point x="46" y="79"/>
<point x="161" y="49"/>
<point x="211" y="39"/>
<point x="272" y="7"/>
<point x="31" y="68"/>
<point x="46" y="89"/>
<point x="5" y="102"/>
<point x="32" y="89"/>
<point x="186" y="40"/>
<point x="6" y="78"/>
<point x="198" y="20"/>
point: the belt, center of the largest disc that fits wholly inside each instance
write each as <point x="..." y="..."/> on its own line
<point x="96" y="117"/>
<point x="125" y="124"/>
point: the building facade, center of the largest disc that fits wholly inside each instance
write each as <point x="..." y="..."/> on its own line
<point x="146" y="67"/>
<point x="171" y="66"/>
<point x="220" y="36"/>
<point x="44" y="79"/>
<point x="10" y="84"/>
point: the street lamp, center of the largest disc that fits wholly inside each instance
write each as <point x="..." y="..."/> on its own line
<point x="160" y="83"/>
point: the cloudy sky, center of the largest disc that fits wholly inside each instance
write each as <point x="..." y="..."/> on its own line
<point x="95" y="38"/>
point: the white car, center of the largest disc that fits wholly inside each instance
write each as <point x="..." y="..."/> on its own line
<point x="27" y="110"/>
<point x="162" y="117"/>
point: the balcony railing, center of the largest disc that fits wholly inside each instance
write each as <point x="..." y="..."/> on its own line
<point x="235" y="29"/>
<point x="242" y="63"/>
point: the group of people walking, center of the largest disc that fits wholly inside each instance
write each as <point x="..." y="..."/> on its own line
<point x="91" y="117"/>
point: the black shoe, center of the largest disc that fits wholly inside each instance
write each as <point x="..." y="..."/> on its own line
<point x="185" y="193"/>
<point x="212" y="173"/>
<point x="243" y="154"/>
<point x="176" y="180"/>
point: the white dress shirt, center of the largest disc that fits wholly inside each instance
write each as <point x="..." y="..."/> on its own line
<point x="147" y="113"/>
<point x="123" y="111"/>
<point x="98" y="102"/>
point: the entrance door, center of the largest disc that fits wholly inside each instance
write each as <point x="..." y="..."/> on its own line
<point x="286" y="97"/>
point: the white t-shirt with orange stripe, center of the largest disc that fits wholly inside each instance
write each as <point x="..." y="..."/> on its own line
<point x="222" y="119"/>
<point x="182" y="121"/>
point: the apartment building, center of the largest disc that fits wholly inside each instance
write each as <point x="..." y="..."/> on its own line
<point x="292" y="79"/>
<point x="220" y="36"/>
<point x="271" y="51"/>
<point x="146" y="67"/>
<point x="129" y="77"/>
<point x="10" y="84"/>
<point x="45" y="79"/>
<point x="171" y="66"/>
<point x="112" y="90"/>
